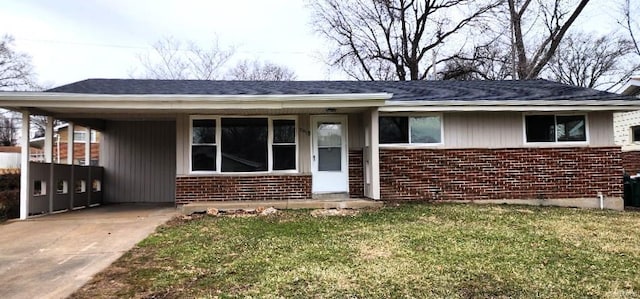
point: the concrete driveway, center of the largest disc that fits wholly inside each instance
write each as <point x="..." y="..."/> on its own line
<point x="54" y="255"/>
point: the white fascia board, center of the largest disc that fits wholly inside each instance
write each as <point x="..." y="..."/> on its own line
<point x="615" y="105"/>
<point x="174" y="101"/>
<point x="631" y="87"/>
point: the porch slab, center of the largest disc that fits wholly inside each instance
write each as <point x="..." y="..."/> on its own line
<point x="201" y="207"/>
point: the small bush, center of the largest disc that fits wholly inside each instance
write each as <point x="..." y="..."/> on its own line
<point x="9" y="204"/>
<point x="9" y="181"/>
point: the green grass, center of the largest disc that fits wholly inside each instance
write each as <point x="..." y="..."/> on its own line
<point x="410" y="251"/>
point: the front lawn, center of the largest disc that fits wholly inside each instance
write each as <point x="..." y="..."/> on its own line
<point x="410" y="251"/>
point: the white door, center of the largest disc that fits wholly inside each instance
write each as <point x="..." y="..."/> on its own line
<point x="329" y="166"/>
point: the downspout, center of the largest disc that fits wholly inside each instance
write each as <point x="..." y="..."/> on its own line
<point x="601" y="197"/>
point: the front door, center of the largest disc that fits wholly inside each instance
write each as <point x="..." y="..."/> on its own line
<point x="329" y="154"/>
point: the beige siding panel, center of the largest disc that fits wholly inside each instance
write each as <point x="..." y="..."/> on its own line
<point x="506" y="129"/>
<point x="182" y="144"/>
<point x="304" y="143"/>
<point x="356" y="131"/>
<point x="139" y="161"/>
<point x="601" y="131"/>
<point x="482" y="130"/>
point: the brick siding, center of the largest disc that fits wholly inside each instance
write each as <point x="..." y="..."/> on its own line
<point x="259" y="187"/>
<point x="631" y="162"/>
<point x="356" y="174"/>
<point x="476" y="174"/>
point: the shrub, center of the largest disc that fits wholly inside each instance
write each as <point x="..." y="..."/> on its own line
<point x="9" y="181"/>
<point x="9" y="204"/>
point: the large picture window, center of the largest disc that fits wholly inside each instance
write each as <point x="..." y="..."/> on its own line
<point x="410" y="129"/>
<point x="243" y="144"/>
<point x="555" y="128"/>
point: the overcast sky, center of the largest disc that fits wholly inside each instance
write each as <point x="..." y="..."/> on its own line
<point x="71" y="40"/>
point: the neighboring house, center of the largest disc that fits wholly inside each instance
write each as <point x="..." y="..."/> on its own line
<point x="627" y="130"/>
<point x="60" y="142"/>
<point x="187" y="141"/>
<point x="10" y="156"/>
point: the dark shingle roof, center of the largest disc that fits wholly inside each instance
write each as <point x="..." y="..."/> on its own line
<point x="402" y="90"/>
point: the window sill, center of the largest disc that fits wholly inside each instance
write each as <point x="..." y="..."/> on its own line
<point x="411" y="146"/>
<point x="556" y="144"/>
<point x="246" y="174"/>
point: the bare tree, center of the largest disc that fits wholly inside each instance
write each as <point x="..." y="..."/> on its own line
<point x="487" y="62"/>
<point x="537" y="28"/>
<point x="174" y="59"/>
<point x="631" y="24"/>
<point x="392" y="39"/>
<point x="586" y="61"/>
<point x="16" y="71"/>
<point x="8" y="130"/>
<point x="257" y="71"/>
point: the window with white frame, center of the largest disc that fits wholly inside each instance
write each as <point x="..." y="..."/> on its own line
<point x="415" y="129"/>
<point x="81" y="136"/>
<point x="555" y="128"/>
<point x="243" y="144"/>
<point x="635" y="134"/>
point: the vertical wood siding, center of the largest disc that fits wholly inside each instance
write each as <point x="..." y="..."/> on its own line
<point x="139" y="159"/>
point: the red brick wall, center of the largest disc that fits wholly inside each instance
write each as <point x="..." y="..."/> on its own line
<point x="476" y="174"/>
<point x="78" y="151"/>
<point x="356" y="174"/>
<point x="631" y="162"/>
<point x="219" y="188"/>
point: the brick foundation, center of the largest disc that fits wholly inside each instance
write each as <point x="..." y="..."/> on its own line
<point x="631" y="162"/>
<point x="356" y="174"/>
<point x="476" y="174"/>
<point x="259" y="187"/>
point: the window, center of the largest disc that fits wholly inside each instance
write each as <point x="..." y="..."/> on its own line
<point x="555" y="128"/>
<point x="80" y="186"/>
<point x="635" y="134"/>
<point x="243" y="144"/>
<point x="203" y="144"/>
<point x="410" y="130"/>
<point x="62" y="187"/>
<point x="39" y="188"/>
<point x="284" y="144"/>
<point x="81" y="136"/>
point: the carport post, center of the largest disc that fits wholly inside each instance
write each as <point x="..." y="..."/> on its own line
<point x="87" y="147"/>
<point x="70" y="151"/>
<point x="24" y="165"/>
<point x="48" y="141"/>
<point x="48" y="158"/>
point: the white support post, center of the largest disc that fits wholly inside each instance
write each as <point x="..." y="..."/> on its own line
<point x="87" y="147"/>
<point x="70" y="143"/>
<point x="48" y="141"/>
<point x="375" y="156"/>
<point x="24" y="166"/>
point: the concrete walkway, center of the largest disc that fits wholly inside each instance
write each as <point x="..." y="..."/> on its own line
<point x="54" y="255"/>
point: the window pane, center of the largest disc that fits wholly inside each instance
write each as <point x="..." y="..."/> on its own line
<point x="329" y="159"/>
<point x="571" y="128"/>
<point x="540" y="128"/>
<point x="635" y="133"/>
<point x="204" y="131"/>
<point x="329" y="134"/>
<point x="203" y="157"/>
<point x="393" y="129"/>
<point x="425" y="129"/>
<point x="79" y="136"/>
<point x="284" y="131"/>
<point x="244" y="144"/>
<point x="284" y="157"/>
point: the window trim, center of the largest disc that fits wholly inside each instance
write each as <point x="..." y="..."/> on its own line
<point x="218" y="119"/>
<point x="556" y="143"/>
<point x="413" y="145"/>
<point x="632" y="141"/>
